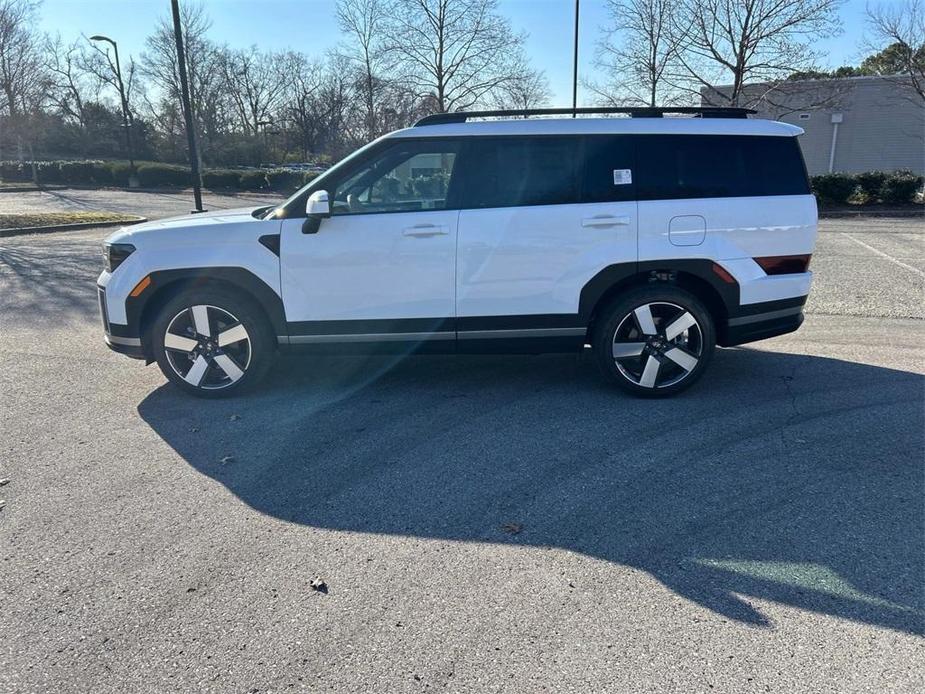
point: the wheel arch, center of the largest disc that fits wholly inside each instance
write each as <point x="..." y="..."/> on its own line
<point x="696" y="276"/>
<point x="166" y="284"/>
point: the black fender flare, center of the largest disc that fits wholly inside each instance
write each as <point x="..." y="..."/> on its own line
<point x="163" y="282"/>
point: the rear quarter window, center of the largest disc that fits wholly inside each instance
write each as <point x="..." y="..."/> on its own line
<point x="674" y="167"/>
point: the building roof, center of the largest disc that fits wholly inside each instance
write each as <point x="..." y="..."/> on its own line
<point x="606" y="126"/>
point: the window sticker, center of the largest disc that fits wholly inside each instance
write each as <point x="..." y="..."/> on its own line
<point x="622" y="177"/>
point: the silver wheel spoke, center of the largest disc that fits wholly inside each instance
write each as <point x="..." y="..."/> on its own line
<point x="682" y="358"/>
<point x="197" y="371"/>
<point x="183" y="344"/>
<point x="622" y="350"/>
<point x="649" y="373"/>
<point x="679" y="325"/>
<point x="225" y="363"/>
<point x="235" y="334"/>
<point x="201" y="320"/>
<point x="644" y="318"/>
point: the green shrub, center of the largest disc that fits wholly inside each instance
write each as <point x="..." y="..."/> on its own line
<point x="14" y="171"/>
<point x="48" y="171"/>
<point x="157" y="175"/>
<point x="870" y="183"/>
<point x="253" y="180"/>
<point x="900" y="186"/>
<point x="76" y="172"/>
<point x="221" y="178"/>
<point x="309" y="176"/>
<point x="283" y="180"/>
<point x="834" y="187"/>
<point x="119" y="172"/>
<point x="101" y="173"/>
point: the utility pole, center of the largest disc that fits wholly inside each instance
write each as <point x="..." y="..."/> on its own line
<point x="575" y="66"/>
<point x="187" y="110"/>
<point x="126" y="120"/>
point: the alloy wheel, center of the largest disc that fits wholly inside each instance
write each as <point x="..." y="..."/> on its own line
<point x="657" y="345"/>
<point x="207" y="347"/>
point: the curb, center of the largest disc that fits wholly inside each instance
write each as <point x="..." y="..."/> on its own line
<point x="843" y="214"/>
<point x="68" y="227"/>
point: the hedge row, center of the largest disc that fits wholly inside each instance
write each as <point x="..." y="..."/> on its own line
<point x="154" y="175"/>
<point x="872" y="186"/>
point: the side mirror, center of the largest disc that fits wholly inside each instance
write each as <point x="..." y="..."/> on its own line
<point x="316" y="208"/>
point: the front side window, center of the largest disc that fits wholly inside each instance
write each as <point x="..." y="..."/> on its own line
<point x="406" y="177"/>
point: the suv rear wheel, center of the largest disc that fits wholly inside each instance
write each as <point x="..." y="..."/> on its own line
<point x="212" y="343"/>
<point x="654" y="341"/>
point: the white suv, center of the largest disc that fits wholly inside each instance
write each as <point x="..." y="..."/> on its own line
<point x="649" y="239"/>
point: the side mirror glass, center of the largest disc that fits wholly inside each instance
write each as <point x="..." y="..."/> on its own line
<point x="317" y="208"/>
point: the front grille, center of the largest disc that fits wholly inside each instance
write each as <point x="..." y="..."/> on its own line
<point x="101" y="295"/>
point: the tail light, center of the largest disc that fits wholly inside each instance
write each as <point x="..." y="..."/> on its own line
<point x="784" y="264"/>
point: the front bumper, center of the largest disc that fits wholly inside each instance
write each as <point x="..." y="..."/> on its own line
<point x="129" y="346"/>
<point x="115" y="335"/>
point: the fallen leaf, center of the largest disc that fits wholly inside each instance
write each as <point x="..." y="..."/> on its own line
<point x="228" y="459"/>
<point x="318" y="585"/>
<point x="512" y="528"/>
<point x="5" y="481"/>
<point x="234" y="417"/>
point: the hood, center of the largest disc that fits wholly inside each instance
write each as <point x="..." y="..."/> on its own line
<point x="204" y="221"/>
<point x="236" y="215"/>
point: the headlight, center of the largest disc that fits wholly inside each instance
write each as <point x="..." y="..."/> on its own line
<point x="115" y="253"/>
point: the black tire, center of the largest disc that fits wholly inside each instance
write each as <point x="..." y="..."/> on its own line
<point x="666" y="363"/>
<point x="211" y="369"/>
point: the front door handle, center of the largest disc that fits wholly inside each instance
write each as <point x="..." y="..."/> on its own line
<point x="423" y="231"/>
<point x="605" y="220"/>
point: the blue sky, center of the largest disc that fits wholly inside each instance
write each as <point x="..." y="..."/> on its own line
<point x="310" y="26"/>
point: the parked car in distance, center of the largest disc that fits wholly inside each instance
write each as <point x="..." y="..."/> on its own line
<point x="647" y="239"/>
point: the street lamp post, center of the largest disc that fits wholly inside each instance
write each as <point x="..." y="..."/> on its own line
<point x="187" y="108"/>
<point x="575" y="66"/>
<point x="132" y="181"/>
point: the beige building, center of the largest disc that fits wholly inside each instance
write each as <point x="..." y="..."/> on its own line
<point x="852" y="124"/>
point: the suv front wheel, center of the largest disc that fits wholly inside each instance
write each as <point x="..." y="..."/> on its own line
<point x="654" y="341"/>
<point x="212" y="343"/>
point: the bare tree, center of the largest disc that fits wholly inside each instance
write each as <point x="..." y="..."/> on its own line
<point x="71" y="86"/>
<point x="452" y="53"/>
<point x="208" y="95"/>
<point x="526" y="89"/>
<point x="899" y="29"/>
<point x="255" y="83"/>
<point x="23" y="81"/>
<point x="743" y="42"/>
<point x="638" y="51"/>
<point x="364" y="22"/>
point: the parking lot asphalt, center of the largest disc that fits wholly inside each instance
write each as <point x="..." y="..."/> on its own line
<point x="484" y="524"/>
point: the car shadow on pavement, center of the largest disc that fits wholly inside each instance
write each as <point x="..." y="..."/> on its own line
<point x="780" y="477"/>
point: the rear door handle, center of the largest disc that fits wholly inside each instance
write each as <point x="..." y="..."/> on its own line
<point x="605" y="220"/>
<point x="423" y="231"/>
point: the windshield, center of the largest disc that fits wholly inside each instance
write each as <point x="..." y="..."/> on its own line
<point x="318" y="183"/>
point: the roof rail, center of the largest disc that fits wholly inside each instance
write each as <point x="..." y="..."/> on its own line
<point x="632" y="111"/>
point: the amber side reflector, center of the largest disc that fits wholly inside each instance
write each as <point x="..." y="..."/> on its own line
<point x="784" y="264"/>
<point x="723" y="274"/>
<point x="141" y="286"/>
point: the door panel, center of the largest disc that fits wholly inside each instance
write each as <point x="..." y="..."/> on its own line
<point x="385" y="261"/>
<point x="370" y="266"/>
<point x="536" y="260"/>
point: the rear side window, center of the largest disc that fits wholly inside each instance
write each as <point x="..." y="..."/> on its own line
<point x="718" y="166"/>
<point x="523" y="171"/>
<point x="608" y="169"/>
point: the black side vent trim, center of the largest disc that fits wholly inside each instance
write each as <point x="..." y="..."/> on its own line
<point x="271" y="242"/>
